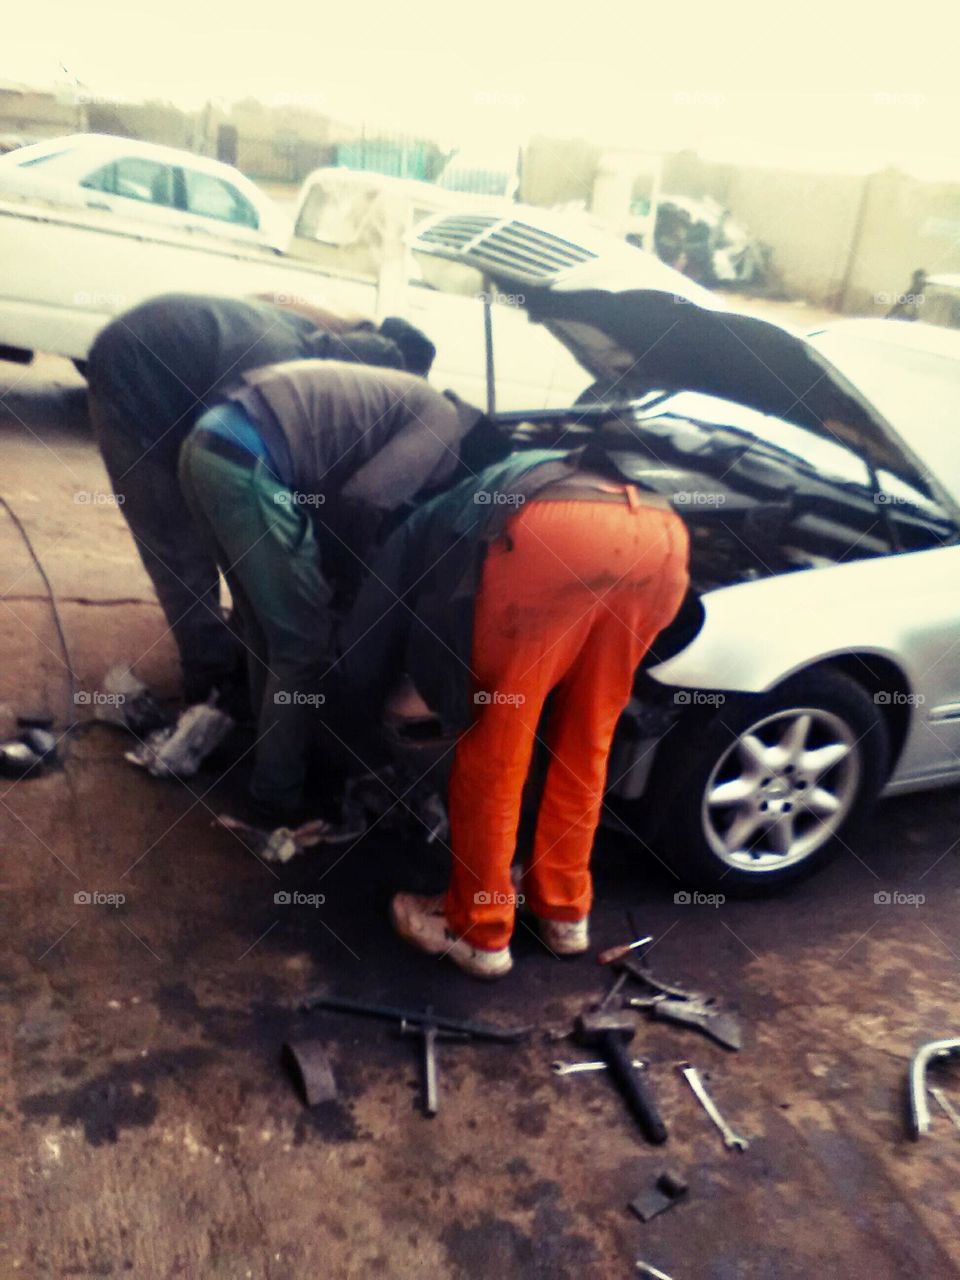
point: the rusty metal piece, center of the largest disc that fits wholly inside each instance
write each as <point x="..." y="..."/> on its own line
<point x="917" y="1081"/>
<point x="668" y="1190"/>
<point x="310" y="1066"/>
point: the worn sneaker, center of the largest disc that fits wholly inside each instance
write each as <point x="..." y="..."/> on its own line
<point x="562" y="937"/>
<point x="565" y="937"/>
<point x="421" y="922"/>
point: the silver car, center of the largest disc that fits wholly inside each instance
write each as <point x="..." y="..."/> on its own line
<point x="816" y="663"/>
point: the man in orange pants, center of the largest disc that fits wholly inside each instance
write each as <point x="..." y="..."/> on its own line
<point x="576" y="583"/>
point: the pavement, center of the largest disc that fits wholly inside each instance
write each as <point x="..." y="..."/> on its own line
<point x="147" y="1126"/>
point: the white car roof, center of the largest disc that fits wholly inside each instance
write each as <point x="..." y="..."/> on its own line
<point x="104" y="145"/>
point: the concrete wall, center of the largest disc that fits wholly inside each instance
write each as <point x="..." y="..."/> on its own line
<point x="558" y="171"/>
<point x="808" y="219"/>
<point x="37" y="116"/>
<point x="906" y="224"/>
<point x="840" y="241"/>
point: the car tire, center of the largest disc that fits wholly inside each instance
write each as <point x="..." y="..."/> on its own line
<point x="762" y="759"/>
<point x="80" y="366"/>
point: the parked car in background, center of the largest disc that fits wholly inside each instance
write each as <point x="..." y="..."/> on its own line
<point x="145" y="182"/>
<point x="816" y="663"/>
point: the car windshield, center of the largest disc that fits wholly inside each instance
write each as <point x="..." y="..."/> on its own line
<point x="918" y="392"/>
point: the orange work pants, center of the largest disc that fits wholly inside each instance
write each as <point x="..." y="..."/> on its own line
<point x="571" y="598"/>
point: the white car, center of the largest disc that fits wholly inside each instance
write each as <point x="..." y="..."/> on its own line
<point x="816" y="663"/>
<point x="146" y="183"/>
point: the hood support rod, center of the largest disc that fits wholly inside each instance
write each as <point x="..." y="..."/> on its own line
<point x="488" y="345"/>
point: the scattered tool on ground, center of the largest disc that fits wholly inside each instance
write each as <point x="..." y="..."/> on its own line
<point x="945" y="1105"/>
<point x="611" y="1032"/>
<point x="668" y="1190"/>
<point x="31" y="750"/>
<point x="733" y="1141"/>
<point x="670" y="1003"/>
<point x="310" y="1067"/>
<point x="429" y="1033"/>
<point x="426" y="1024"/>
<point x="645" y="1269"/>
<point x="283" y="843"/>
<point x="617" y="953"/>
<point x="934" y="1051"/>
<point x="574" y="1068"/>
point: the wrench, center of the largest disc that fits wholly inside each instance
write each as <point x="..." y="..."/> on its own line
<point x="574" y="1068"/>
<point x="731" y="1140"/>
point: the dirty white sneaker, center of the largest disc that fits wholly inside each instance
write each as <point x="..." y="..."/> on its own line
<point x="566" y="937"/>
<point x="563" y="937"/>
<point x="420" y="921"/>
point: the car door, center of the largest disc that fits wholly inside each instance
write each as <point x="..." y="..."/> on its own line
<point x="215" y="206"/>
<point x="134" y="187"/>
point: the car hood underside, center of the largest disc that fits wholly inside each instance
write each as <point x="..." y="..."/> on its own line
<point x="638" y="339"/>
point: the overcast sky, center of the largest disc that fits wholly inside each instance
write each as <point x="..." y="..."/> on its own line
<point x="835" y="84"/>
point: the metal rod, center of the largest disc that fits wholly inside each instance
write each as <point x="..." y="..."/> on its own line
<point x="488" y="349"/>
<point x="480" y="1030"/>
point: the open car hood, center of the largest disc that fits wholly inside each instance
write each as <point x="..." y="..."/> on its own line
<point x="636" y="325"/>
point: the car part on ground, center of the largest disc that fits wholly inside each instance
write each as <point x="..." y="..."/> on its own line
<point x="178" y="751"/>
<point x="923" y="1059"/>
<point x="280" y="844"/>
<point x="128" y="702"/>
<point x="310" y="1067"/>
<point x="668" y="1190"/>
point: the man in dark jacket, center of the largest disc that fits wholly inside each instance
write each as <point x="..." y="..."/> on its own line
<point x="292" y="480"/>
<point x="151" y="373"/>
